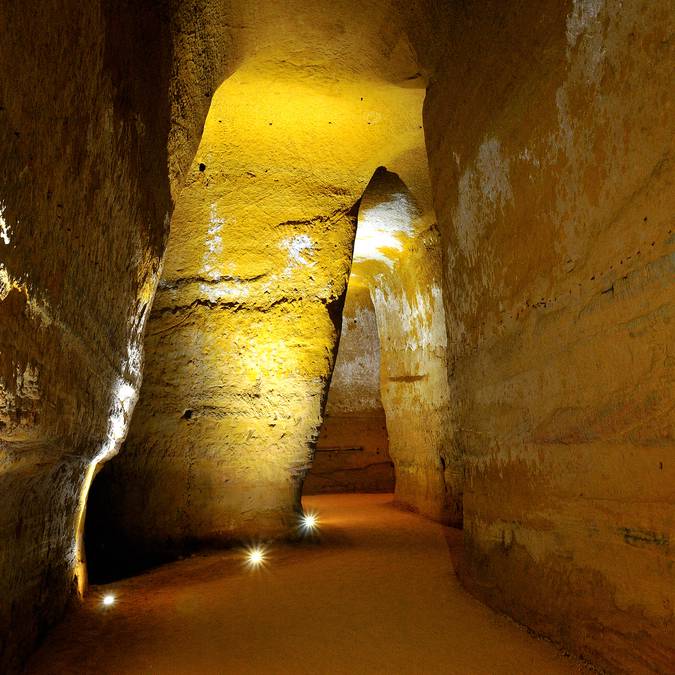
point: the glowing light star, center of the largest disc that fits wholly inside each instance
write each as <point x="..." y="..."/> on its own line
<point x="256" y="556"/>
<point x="309" y="522"/>
<point x="108" y="600"/>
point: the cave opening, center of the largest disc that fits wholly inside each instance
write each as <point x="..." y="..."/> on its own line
<point x="352" y="450"/>
<point x="388" y="402"/>
<point x="286" y="213"/>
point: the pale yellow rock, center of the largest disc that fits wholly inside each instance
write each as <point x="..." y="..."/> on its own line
<point x="553" y="186"/>
<point x="352" y="450"/>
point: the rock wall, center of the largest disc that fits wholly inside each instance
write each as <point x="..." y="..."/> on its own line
<point x="91" y="110"/>
<point x="398" y="256"/>
<point x="549" y="132"/>
<point x="82" y="221"/>
<point x="550" y="136"/>
<point x="101" y="111"/>
<point x="352" y="450"/>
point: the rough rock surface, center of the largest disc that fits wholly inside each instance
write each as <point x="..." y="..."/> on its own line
<point x="553" y="186"/>
<point x="100" y="107"/>
<point x="82" y="224"/>
<point x="397" y="256"/>
<point x="549" y="130"/>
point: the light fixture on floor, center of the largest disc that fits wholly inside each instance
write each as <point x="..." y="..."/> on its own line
<point x="108" y="600"/>
<point x="309" y="522"/>
<point x="256" y="556"/>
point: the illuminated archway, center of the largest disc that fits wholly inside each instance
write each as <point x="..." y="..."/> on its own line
<point x="397" y="258"/>
<point x="242" y="336"/>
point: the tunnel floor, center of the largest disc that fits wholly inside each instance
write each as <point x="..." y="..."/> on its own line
<point x="377" y="594"/>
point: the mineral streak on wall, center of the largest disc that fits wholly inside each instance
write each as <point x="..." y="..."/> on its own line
<point x="241" y="339"/>
<point x="550" y="133"/>
<point x="352" y="451"/>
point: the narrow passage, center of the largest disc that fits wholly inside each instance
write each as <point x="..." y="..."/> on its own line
<point x="377" y="594"/>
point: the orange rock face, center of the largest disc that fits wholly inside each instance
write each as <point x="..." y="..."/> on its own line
<point x="81" y="235"/>
<point x="242" y="336"/>
<point x="88" y="131"/>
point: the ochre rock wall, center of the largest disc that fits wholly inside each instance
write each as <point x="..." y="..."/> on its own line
<point x="83" y="205"/>
<point x="550" y="136"/>
<point x="101" y="110"/>
<point x="352" y="450"/>
<point x="549" y="131"/>
<point x="415" y="392"/>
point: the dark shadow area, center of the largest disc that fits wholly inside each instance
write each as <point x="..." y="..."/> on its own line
<point x="109" y="556"/>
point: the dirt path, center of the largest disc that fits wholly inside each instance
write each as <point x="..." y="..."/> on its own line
<point x="377" y="595"/>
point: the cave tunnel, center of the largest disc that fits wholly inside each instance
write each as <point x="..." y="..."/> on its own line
<point x="337" y="338"/>
<point x="352" y="449"/>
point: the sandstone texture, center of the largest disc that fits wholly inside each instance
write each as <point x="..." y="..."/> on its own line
<point x="404" y="278"/>
<point x="100" y="107"/>
<point x="82" y="225"/>
<point x="243" y="333"/>
<point x="553" y="187"/>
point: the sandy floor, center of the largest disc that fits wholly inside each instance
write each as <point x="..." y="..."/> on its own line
<point x="376" y="595"/>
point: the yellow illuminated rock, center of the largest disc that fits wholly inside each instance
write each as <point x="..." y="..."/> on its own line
<point x="352" y="450"/>
<point x="243" y="331"/>
<point x="397" y="255"/>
